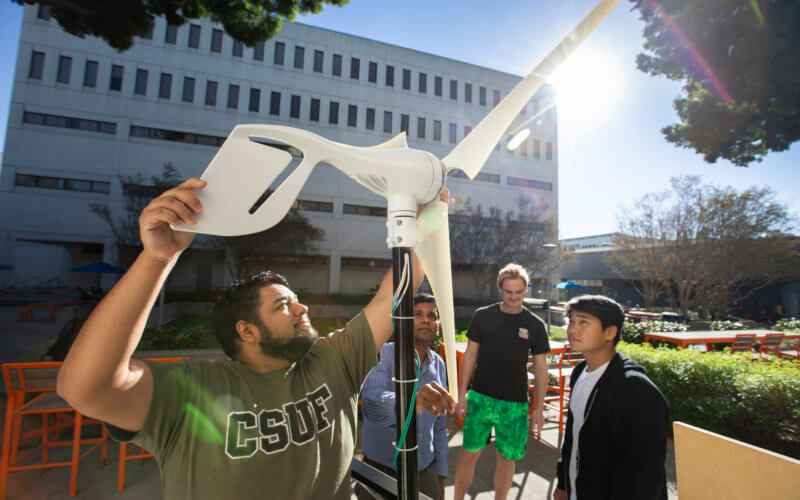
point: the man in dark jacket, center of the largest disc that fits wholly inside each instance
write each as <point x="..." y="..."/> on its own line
<point x="615" y="443"/>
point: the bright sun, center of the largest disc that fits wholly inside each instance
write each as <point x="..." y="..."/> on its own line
<point x="590" y="86"/>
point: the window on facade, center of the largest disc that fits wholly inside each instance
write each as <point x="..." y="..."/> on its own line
<point x="171" y="35"/>
<point x="352" y="115"/>
<point x="406" y="79"/>
<point x="238" y="48"/>
<point x="467" y="92"/>
<point x="453" y="132"/>
<point x="64" y="69"/>
<point x="404" y="121"/>
<point x="483" y="176"/>
<point x="529" y="183"/>
<point x="437" y="86"/>
<point x="41" y="181"/>
<point x="420" y="128"/>
<point x="216" y="41"/>
<point x="313" y="113"/>
<point x="140" y="87"/>
<point x="255" y="100"/>
<point x="387" y="122"/>
<point x="333" y="113"/>
<point x="454" y="89"/>
<point x="233" y="96"/>
<point x="370" y="118"/>
<point x="467" y="130"/>
<point x="44" y="12"/>
<point x="165" y="86"/>
<point x="294" y="107"/>
<point x="349" y="209"/>
<point x="188" y="89"/>
<point x="437" y="130"/>
<point x="280" y="49"/>
<point x="69" y="122"/>
<point x="258" y="51"/>
<point x="318" y="60"/>
<point x="548" y="151"/>
<point x="482" y="96"/>
<point x="90" y="74"/>
<point x="313" y="206"/>
<point x="523" y="148"/>
<point x="194" y="36"/>
<point x="355" y="68"/>
<point x="176" y="136"/>
<point x="211" y="93"/>
<point x="299" y="57"/>
<point x="275" y="103"/>
<point x="116" y="78"/>
<point x="336" y="70"/>
<point x="390" y="76"/>
<point x="422" y="83"/>
<point x="37" y="65"/>
<point x="496" y="97"/>
<point x="372" y="75"/>
<point x="536" y="154"/>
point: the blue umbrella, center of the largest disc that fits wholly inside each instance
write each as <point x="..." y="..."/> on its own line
<point x="4" y="267"/>
<point x="98" y="267"/>
<point x="567" y="284"/>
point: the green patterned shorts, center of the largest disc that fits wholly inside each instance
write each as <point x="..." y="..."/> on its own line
<point x="509" y="419"/>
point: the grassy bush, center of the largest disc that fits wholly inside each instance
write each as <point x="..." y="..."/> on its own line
<point x="634" y="332"/>
<point x="183" y="333"/>
<point x="787" y="324"/>
<point x="728" y="325"/>
<point x="752" y="401"/>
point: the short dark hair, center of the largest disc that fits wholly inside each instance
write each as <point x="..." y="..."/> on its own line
<point x="240" y="301"/>
<point x="423" y="297"/>
<point x="607" y="310"/>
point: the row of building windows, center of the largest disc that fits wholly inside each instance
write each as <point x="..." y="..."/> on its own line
<point x="254" y="102"/>
<point x="47" y="182"/>
<point x="468" y="92"/>
<point x="69" y="122"/>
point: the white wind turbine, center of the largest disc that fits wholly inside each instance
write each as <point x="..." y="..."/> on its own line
<point x="254" y="156"/>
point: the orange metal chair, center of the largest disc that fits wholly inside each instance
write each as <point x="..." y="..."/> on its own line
<point x="771" y="345"/>
<point x="31" y="390"/>
<point x="129" y="451"/>
<point x="743" y="342"/>
<point x="566" y="364"/>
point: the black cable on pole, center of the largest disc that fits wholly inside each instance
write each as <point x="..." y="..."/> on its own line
<point x="405" y="374"/>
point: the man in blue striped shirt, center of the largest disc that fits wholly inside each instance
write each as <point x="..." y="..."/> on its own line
<point x="378" y="406"/>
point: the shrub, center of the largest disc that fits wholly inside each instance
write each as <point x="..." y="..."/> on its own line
<point x="634" y="332"/>
<point x="728" y="325"/>
<point x="172" y="338"/>
<point x="787" y="324"/>
<point x="752" y="401"/>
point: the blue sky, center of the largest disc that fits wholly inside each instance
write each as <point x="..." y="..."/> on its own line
<point x="611" y="150"/>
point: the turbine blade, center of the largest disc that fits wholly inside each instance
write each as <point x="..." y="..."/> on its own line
<point x="471" y="153"/>
<point x="433" y="249"/>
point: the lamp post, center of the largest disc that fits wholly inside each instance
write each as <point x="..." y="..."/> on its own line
<point x="549" y="247"/>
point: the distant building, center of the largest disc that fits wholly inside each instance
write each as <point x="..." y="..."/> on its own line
<point x="84" y="116"/>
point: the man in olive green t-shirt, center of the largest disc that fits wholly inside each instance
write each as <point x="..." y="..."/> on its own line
<point x="277" y="420"/>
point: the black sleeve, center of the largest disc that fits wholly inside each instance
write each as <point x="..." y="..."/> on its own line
<point x="474" y="330"/>
<point x="537" y="338"/>
<point x="639" y="430"/>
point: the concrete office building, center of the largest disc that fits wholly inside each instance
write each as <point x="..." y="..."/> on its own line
<point x="84" y="117"/>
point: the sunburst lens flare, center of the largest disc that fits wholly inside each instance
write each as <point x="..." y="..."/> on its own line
<point x="518" y="139"/>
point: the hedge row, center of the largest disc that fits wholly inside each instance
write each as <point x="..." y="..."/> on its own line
<point x="753" y="401"/>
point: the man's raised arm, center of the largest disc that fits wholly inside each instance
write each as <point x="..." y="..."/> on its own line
<point x="379" y="309"/>
<point x="98" y="377"/>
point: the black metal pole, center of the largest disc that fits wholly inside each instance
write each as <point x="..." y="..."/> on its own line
<point x="404" y="373"/>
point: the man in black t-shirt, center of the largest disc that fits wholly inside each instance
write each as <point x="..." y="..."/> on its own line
<point x="500" y="337"/>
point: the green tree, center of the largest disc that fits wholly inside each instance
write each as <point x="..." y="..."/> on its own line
<point x="119" y="21"/>
<point x="481" y="242"/>
<point x="704" y="244"/>
<point x="739" y="61"/>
